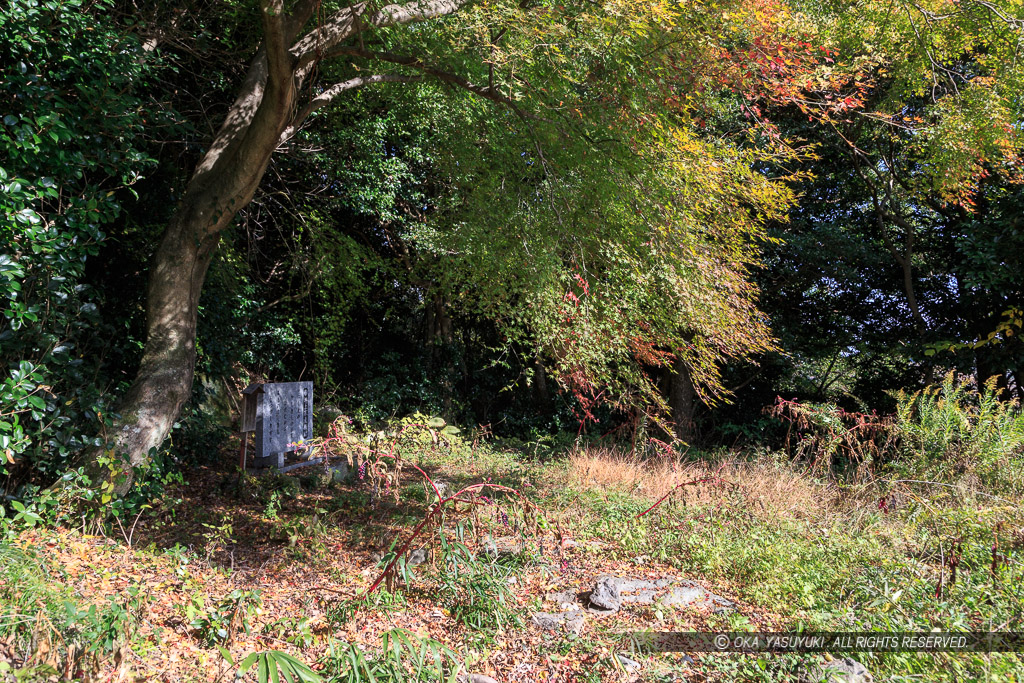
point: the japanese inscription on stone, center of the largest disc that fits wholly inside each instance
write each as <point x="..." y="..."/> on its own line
<point x="281" y="414"/>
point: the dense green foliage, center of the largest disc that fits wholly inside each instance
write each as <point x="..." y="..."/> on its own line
<point x="777" y="243"/>
<point x="73" y="113"/>
<point x="830" y="192"/>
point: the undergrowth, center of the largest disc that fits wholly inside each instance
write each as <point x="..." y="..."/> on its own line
<point x="924" y="533"/>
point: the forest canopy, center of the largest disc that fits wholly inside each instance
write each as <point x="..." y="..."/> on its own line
<point x="539" y="216"/>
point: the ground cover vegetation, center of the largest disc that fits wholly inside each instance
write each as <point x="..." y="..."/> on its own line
<point x="723" y="293"/>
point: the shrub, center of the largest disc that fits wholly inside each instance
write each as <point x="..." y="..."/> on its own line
<point x="842" y="443"/>
<point x="961" y="434"/>
<point x="64" y="167"/>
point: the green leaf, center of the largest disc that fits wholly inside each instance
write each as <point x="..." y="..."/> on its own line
<point x="247" y="663"/>
<point x="226" y="655"/>
<point x="263" y="669"/>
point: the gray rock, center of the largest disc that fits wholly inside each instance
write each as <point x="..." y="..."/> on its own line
<point x="837" y="671"/>
<point x="630" y="665"/>
<point x="502" y="547"/>
<point x="611" y="593"/>
<point x="417" y="557"/>
<point x="606" y="595"/>
<point x="575" y="621"/>
<point x="688" y="593"/>
<point x="340" y="472"/>
<point x="548" y="621"/>
<point x="570" y="622"/>
<point x="480" y="678"/>
<point x="561" y="598"/>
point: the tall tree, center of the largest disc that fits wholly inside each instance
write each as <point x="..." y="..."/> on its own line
<point x="587" y="74"/>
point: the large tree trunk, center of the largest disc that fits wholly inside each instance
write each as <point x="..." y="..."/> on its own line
<point x="223" y="183"/>
<point x="164" y="380"/>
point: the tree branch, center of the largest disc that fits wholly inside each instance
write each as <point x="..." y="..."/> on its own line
<point x="390" y="15"/>
<point x="300" y="15"/>
<point x="324" y="98"/>
<point x="279" y="67"/>
<point x="344" y="23"/>
<point x="446" y="76"/>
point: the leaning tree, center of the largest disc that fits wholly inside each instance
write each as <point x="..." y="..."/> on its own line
<point x="610" y="80"/>
<point x="645" y="95"/>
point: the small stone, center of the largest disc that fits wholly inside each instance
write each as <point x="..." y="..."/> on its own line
<point x="340" y="472"/>
<point x="502" y="547"/>
<point x="628" y="664"/>
<point x="575" y="621"/>
<point x="606" y="595"/>
<point x="480" y="678"/>
<point x="547" y="620"/>
<point x="838" y="671"/>
<point x="562" y="598"/>
<point x="417" y="557"/>
<point x="571" y="622"/>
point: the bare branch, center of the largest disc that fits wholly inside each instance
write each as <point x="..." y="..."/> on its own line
<point x="446" y="76"/>
<point x="324" y="98"/>
<point x="1012" y="22"/>
<point x="345" y="22"/>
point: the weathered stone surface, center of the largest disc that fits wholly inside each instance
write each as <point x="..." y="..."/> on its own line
<point x="564" y="599"/>
<point x="837" y="671"/>
<point x="417" y="557"/>
<point x="630" y="665"/>
<point x="611" y="593"/>
<point x="575" y="621"/>
<point x="606" y="595"/>
<point x="570" y="622"/>
<point x="340" y="472"/>
<point x="502" y="547"/>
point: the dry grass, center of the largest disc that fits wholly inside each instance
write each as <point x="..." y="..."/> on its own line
<point x="779" y="489"/>
<point x="769" y="488"/>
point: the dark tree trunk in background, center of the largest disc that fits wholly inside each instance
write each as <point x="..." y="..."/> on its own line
<point x="438" y="321"/>
<point x="682" y="400"/>
<point x="1018" y="377"/>
<point x="541" y="395"/>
